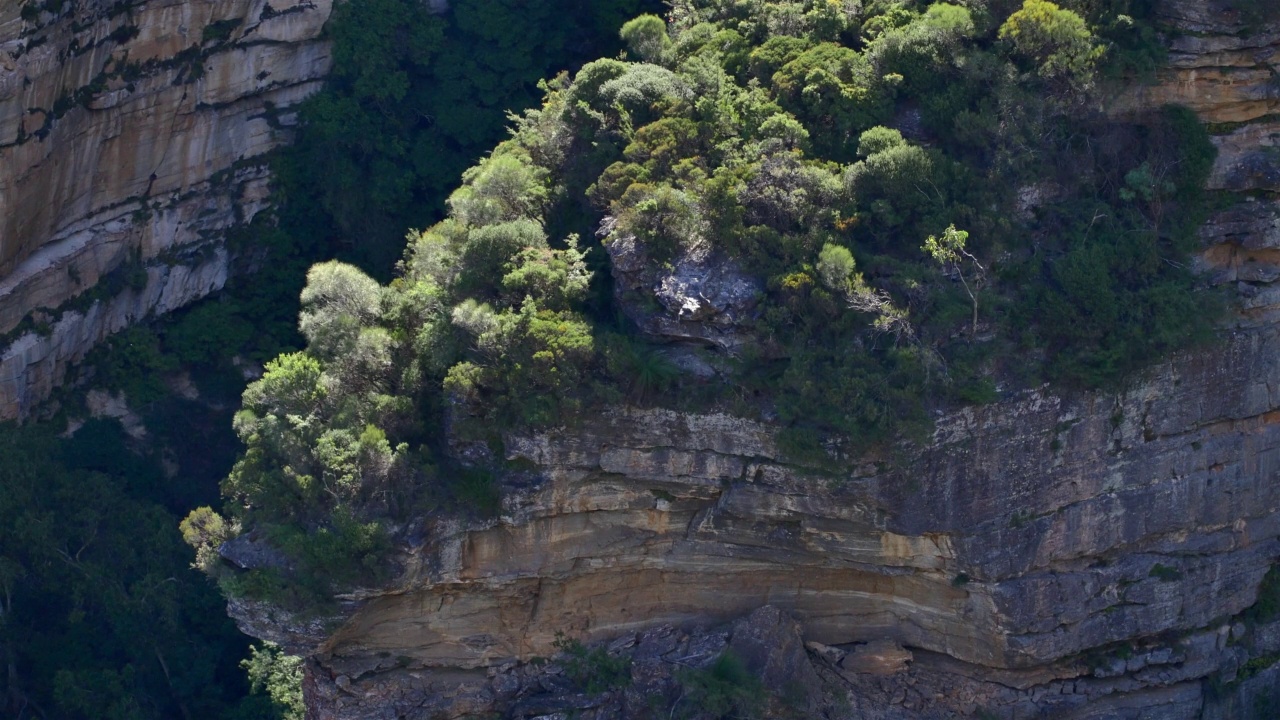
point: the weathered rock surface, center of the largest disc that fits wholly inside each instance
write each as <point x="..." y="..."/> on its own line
<point x="878" y="657"/>
<point x="1025" y="537"/>
<point x="700" y="297"/>
<point x="130" y="134"/>
<point x="1219" y="64"/>
<point x="36" y="362"/>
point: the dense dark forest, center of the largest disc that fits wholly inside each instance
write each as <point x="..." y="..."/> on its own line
<point x="101" y="614"/>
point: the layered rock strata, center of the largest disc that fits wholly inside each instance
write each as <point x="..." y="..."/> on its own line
<point x="131" y="138"/>
<point x="867" y="681"/>
<point x="1024" y="536"/>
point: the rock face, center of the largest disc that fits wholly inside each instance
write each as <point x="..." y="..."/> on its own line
<point x="699" y="297"/>
<point x="1221" y="66"/>
<point x="1025" y="536"/>
<point x="1081" y="556"/>
<point x="131" y="136"/>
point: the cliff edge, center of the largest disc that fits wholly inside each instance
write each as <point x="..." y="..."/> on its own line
<point x="131" y="138"/>
<point x="1088" y="555"/>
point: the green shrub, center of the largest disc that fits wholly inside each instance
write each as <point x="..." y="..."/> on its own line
<point x="134" y="363"/>
<point x="1267" y="607"/>
<point x="475" y="490"/>
<point x="724" y="689"/>
<point x="279" y="677"/>
<point x="414" y="99"/>
<point x="103" y="615"/>
<point x="207" y="333"/>
<point x="1056" y="39"/>
<point x="219" y="31"/>
<point x="594" y="671"/>
<point x="647" y="37"/>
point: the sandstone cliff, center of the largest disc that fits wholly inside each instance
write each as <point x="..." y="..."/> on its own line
<point x="1082" y="556"/>
<point x="1026" y="535"/>
<point x="130" y="141"/>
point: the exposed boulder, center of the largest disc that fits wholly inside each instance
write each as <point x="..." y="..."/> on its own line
<point x="700" y="296"/>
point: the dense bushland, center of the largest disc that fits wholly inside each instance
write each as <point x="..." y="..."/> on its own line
<point x="926" y="192"/>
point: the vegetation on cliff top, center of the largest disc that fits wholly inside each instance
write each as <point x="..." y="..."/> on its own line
<point x="924" y="192"/>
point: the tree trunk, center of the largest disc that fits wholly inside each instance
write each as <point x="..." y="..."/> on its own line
<point x="186" y="714"/>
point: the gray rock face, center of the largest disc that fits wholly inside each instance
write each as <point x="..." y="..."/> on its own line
<point x="1203" y="16"/>
<point x="1251" y="224"/>
<point x="247" y="552"/>
<point x="1080" y="550"/>
<point x="659" y="669"/>
<point x="655" y="681"/>
<point x="269" y="623"/>
<point x="131" y="134"/>
<point x="701" y="296"/>
<point x="769" y="644"/>
<point x="35" y="363"/>
<point x="879" y="657"/>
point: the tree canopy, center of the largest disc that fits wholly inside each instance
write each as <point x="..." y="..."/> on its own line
<point x="830" y="151"/>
